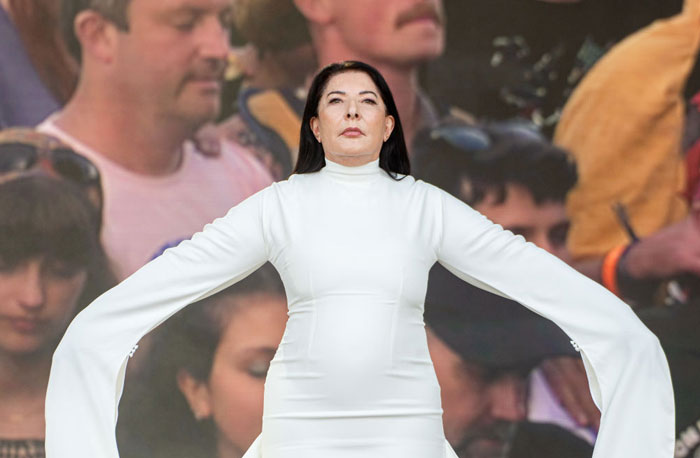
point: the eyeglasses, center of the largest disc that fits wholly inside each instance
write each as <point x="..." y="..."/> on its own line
<point x="18" y="159"/>
<point x="60" y="161"/>
<point x="474" y="139"/>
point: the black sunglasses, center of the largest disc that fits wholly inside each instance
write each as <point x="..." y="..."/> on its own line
<point x="475" y="139"/>
<point x="64" y="162"/>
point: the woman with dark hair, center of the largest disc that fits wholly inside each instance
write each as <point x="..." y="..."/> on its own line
<point x="353" y="239"/>
<point x="51" y="266"/>
<point x="202" y="391"/>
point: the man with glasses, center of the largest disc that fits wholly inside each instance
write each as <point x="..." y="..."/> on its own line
<point x="151" y="74"/>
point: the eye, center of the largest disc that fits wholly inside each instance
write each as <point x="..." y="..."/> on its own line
<point x="258" y="369"/>
<point x="185" y="22"/>
<point x="334" y="100"/>
<point x="62" y="269"/>
<point x="370" y="101"/>
<point x="185" y="26"/>
<point x="558" y="234"/>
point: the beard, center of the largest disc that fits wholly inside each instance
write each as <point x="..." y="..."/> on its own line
<point x="492" y="441"/>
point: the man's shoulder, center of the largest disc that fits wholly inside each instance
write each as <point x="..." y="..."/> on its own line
<point x="545" y="440"/>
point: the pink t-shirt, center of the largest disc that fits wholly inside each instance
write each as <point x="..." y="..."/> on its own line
<point x="144" y="214"/>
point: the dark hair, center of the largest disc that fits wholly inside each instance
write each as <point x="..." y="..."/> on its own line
<point x="546" y="171"/>
<point x="53" y="219"/>
<point x="113" y="10"/>
<point x="157" y="420"/>
<point x="271" y="25"/>
<point x="393" y="157"/>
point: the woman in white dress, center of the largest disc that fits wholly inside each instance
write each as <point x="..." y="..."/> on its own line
<point x="353" y="237"/>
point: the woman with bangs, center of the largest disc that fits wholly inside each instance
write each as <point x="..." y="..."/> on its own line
<point x="51" y="266"/>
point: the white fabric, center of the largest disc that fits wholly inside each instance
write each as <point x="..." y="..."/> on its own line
<point x="352" y="377"/>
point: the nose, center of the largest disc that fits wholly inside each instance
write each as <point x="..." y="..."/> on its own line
<point x="30" y="291"/>
<point x="507" y="398"/>
<point x="352" y="112"/>
<point x="215" y="40"/>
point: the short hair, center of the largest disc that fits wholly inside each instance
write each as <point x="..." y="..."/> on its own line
<point x="113" y="10"/>
<point x="545" y="170"/>
<point x="393" y="157"/>
<point x="271" y="25"/>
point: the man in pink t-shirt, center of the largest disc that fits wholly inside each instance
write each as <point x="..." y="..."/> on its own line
<point x="150" y="77"/>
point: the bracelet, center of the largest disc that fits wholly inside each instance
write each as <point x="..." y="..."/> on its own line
<point x="609" y="268"/>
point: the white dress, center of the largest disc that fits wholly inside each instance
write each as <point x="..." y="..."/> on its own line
<point x="352" y="377"/>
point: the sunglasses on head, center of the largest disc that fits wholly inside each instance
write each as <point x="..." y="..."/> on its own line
<point x="475" y="139"/>
<point x="61" y="161"/>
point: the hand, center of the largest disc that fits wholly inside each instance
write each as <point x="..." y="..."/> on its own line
<point x="567" y="378"/>
<point x="207" y="140"/>
<point x="671" y="251"/>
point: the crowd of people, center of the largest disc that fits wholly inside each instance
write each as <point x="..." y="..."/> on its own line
<point x="127" y="125"/>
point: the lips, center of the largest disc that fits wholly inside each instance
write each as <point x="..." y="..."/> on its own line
<point x="25" y="325"/>
<point x="422" y="11"/>
<point x="352" y="132"/>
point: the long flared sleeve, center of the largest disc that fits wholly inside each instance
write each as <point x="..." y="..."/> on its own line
<point x="627" y="370"/>
<point x="89" y="364"/>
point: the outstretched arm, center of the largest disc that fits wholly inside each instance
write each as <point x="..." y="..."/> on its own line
<point x="626" y="367"/>
<point x="88" y="368"/>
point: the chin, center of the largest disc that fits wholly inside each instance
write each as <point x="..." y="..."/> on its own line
<point x="201" y="117"/>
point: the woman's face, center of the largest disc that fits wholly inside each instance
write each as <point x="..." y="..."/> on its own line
<point x="233" y="395"/>
<point x="352" y="123"/>
<point x="37" y="301"/>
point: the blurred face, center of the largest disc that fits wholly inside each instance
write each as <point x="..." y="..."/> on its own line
<point x="404" y="32"/>
<point x="38" y="299"/>
<point x="481" y="407"/>
<point x="352" y="123"/>
<point x="172" y="58"/>
<point x="546" y="225"/>
<point x="233" y="395"/>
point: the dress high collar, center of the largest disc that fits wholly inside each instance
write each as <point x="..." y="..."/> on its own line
<point x="370" y="168"/>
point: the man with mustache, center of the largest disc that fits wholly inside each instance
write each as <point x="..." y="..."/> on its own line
<point x="483" y="347"/>
<point x="394" y="36"/>
<point x="151" y="75"/>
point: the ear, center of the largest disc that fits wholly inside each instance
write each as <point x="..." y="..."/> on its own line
<point x="389" y="123"/>
<point x="97" y="35"/>
<point x="196" y="393"/>
<point x="315" y="128"/>
<point x="316" y="11"/>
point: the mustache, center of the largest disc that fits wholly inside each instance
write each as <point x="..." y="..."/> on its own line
<point x="420" y="10"/>
<point x="500" y="433"/>
<point x="211" y="69"/>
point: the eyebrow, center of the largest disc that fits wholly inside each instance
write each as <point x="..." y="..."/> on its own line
<point x="192" y="10"/>
<point x="344" y="93"/>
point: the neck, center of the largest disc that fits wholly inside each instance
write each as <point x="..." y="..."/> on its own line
<point x="401" y="78"/>
<point x="226" y="449"/>
<point x="130" y="135"/>
<point x="352" y="160"/>
<point x="23" y="378"/>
